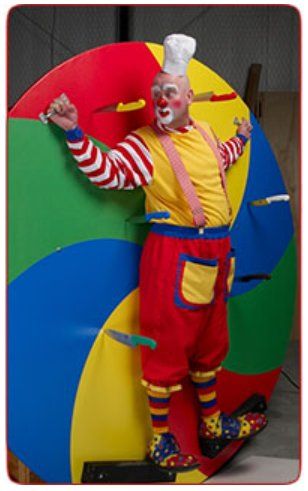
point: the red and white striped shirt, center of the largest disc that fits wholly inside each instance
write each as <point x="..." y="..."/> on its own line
<point x="130" y="164"/>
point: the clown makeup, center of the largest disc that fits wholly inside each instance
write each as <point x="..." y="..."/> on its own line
<point x="163" y="98"/>
<point x="170" y="91"/>
<point x="169" y="95"/>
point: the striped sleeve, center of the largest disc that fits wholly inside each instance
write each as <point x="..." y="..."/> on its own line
<point x="230" y="151"/>
<point x="127" y="166"/>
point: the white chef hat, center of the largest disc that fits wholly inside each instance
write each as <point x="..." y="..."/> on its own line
<point x="178" y="50"/>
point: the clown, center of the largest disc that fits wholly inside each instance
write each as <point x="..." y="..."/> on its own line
<point x="187" y="264"/>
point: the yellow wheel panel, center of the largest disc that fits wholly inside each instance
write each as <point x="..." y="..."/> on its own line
<point x="111" y="420"/>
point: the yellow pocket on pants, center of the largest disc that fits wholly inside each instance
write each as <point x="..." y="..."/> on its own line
<point x="196" y="281"/>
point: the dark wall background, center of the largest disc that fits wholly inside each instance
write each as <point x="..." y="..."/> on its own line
<point x="229" y="39"/>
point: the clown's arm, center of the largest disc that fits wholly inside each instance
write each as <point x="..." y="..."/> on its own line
<point x="233" y="148"/>
<point x="127" y="166"/>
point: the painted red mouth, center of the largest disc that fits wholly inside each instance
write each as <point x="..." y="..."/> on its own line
<point x="163" y="112"/>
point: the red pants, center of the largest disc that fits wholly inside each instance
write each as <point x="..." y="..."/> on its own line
<point x="184" y="284"/>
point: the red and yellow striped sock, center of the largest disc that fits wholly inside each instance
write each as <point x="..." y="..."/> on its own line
<point x="205" y="386"/>
<point x="159" y="408"/>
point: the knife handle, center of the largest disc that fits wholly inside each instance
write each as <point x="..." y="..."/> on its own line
<point x="143" y="341"/>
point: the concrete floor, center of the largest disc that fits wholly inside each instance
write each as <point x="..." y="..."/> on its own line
<point x="273" y="455"/>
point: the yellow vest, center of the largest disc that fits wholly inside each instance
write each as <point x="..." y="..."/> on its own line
<point x="165" y="194"/>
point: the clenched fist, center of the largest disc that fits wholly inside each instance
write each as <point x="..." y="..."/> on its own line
<point x="245" y="128"/>
<point x="65" y="113"/>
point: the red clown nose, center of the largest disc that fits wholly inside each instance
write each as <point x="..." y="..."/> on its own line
<point x="162" y="103"/>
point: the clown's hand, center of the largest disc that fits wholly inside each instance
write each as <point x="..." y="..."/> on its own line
<point x="245" y="128"/>
<point x="64" y="113"/>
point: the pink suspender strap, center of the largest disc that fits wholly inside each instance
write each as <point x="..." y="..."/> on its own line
<point x="216" y="152"/>
<point x="182" y="177"/>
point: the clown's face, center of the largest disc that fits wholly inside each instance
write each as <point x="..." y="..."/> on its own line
<point x="171" y="97"/>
